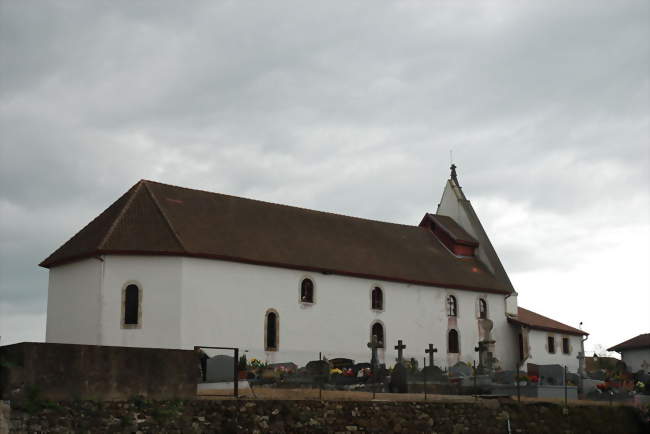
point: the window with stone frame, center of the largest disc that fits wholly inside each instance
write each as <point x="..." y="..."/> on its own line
<point x="131" y="305"/>
<point x="452" y="342"/>
<point x="307" y="291"/>
<point x="452" y="306"/>
<point x="566" y="349"/>
<point x="271" y="332"/>
<point x="482" y="308"/>
<point x="378" y="330"/>
<point x="550" y="342"/>
<point x="377" y="298"/>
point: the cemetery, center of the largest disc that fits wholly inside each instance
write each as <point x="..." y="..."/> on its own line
<point x="553" y="382"/>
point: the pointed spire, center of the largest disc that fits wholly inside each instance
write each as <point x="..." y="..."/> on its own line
<point x="454" y="176"/>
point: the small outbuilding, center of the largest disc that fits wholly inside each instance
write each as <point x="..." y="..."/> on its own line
<point x="635" y="353"/>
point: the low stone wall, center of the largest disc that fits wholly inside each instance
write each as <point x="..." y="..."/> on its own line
<point x="321" y="417"/>
<point x="68" y="371"/>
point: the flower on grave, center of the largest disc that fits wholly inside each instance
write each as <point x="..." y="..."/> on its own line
<point x="533" y="378"/>
<point x="335" y="371"/>
<point x="257" y="363"/>
<point x="348" y="372"/>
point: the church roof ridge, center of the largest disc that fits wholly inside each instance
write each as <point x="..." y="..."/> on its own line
<point x="266" y="202"/>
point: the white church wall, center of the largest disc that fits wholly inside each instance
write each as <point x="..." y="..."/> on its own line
<point x="73" y="303"/>
<point x="224" y="304"/>
<point x="539" y="351"/>
<point x="637" y="360"/>
<point x="190" y="301"/>
<point x="159" y="279"/>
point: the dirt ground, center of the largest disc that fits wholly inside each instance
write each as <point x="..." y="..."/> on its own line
<point x="267" y="393"/>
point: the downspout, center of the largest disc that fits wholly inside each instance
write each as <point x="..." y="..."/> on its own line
<point x="581" y="363"/>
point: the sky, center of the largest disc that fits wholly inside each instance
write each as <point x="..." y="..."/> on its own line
<point x="350" y="107"/>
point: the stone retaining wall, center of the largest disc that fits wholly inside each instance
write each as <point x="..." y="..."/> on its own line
<point x="320" y="417"/>
<point x="67" y="371"/>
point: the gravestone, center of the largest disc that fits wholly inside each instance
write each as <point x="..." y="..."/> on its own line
<point x="317" y="367"/>
<point x="460" y="369"/>
<point x="342" y="363"/>
<point x="399" y="379"/>
<point x="220" y="368"/>
<point x="359" y="366"/>
<point x="433" y="373"/>
<point x="504" y="377"/>
<point x="318" y="371"/>
<point x="551" y="374"/>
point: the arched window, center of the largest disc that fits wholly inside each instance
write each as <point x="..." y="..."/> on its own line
<point x="307" y="291"/>
<point x="378" y="330"/>
<point x="482" y="308"/>
<point x="377" y="298"/>
<point x="271" y="331"/>
<point x="452" y="343"/>
<point x="131" y="300"/>
<point x="452" y="308"/>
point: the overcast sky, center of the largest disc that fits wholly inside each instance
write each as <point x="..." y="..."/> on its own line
<point x="349" y="107"/>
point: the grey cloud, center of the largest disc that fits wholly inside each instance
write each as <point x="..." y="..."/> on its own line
<point x="350" y="108"/>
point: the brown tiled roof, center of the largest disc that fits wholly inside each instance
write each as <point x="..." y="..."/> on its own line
<point x="536" y="321"/>
<point x="154" y="218"/>
<point x="641" y="341"/>
<point x="453" y="229"/>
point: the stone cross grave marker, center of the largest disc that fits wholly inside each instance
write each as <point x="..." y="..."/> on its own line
<point x="430" y="351"/>
<point x="373" y="345"/>
<point x="399" y="347"/>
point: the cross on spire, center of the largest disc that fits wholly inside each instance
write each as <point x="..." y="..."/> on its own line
<point x="430" y="351"/>
<point x="399" y="347"/>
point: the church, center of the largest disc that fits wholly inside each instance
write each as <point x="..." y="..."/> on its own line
<point x="172" y="267"/>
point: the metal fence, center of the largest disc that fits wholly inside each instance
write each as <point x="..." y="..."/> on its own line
<point x="224" y="373"/>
